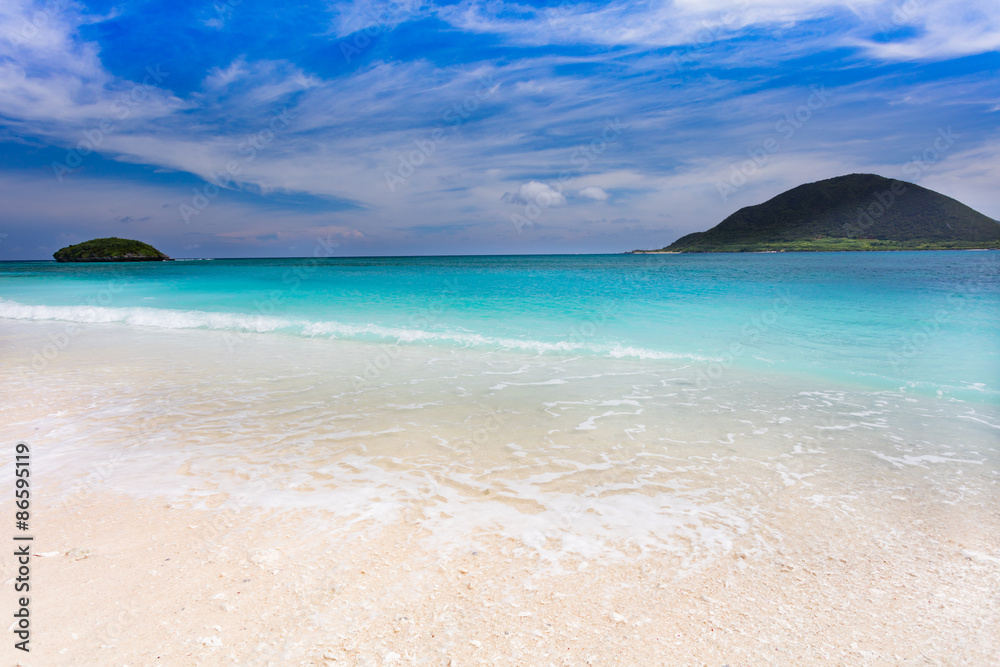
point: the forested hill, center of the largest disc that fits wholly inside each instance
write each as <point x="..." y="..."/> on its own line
<point x="853" y="212"/>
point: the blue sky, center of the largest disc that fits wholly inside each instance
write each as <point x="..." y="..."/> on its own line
<point x="236" y="128"/>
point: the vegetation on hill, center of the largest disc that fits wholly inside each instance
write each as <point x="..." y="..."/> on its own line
<point x="111" y="249"/>
<point x="853" y="212"/>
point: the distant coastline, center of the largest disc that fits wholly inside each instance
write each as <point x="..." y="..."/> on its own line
<point x="825" y="245"/>
<point x="856" y="212"/>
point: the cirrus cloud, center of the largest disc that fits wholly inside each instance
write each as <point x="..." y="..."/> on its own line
<point x="698" y="85"/>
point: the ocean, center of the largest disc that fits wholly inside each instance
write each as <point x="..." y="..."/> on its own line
<point x="598" y="406"/>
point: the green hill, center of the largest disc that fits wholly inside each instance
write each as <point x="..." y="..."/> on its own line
<point x="853" y="212"/>
<point x="111" y="249"/>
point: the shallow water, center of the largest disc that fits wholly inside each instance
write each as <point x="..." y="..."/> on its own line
<point x="883" y="320"/>
<point x="485" y="419"/>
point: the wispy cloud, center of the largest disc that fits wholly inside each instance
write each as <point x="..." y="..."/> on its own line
<point x="374" y="15"/>
<point x="931" y="29"/>
<point x="52" y="81"/>
<point x="655" y="24"/>
<point x="490" y="106"/>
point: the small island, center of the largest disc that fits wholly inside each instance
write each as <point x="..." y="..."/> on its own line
<point x="853" y="212"/>
<point x="111" y="249"/>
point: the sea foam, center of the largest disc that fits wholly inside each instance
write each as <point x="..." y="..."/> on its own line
<point x="165" y="318"/>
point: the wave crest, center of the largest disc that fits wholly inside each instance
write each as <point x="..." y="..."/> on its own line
<point x="164" y="318"/>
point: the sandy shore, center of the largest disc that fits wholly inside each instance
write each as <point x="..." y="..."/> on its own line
<point x="151" y="547"/>
<point x="124" y="582"/>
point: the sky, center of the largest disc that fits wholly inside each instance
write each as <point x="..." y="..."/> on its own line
<point x="246" y="128"/>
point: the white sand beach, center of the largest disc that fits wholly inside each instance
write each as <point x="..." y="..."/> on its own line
<point x="171" y="535"/>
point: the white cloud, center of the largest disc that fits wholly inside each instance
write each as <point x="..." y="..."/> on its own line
<point x="945" y="29"/>
<point x="662" y="23"/>
<point x="51" y="80"/>
<point x="969" y="175"/>
<point x="373" y="16"/>
<point x="594" y="192"/>
<point x="535" y="192"/>
<point x="256" y="83"/>
<point x="221" y="78"/>
<point x="538" y="118"/>
<point x="81" y="208"/>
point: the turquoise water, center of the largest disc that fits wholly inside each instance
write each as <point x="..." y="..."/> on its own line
<point x="927" y="321"/>
<point x="583" y="406"/>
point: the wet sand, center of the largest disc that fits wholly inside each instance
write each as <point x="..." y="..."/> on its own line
<point x="193" y="508"/>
